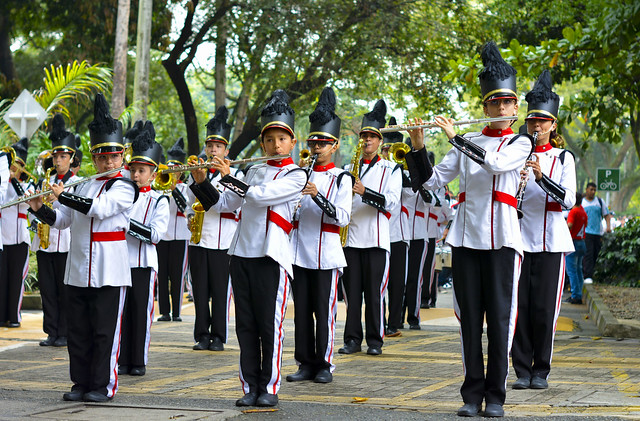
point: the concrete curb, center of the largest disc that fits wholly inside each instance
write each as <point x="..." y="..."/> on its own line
<point x="606" y="322"/>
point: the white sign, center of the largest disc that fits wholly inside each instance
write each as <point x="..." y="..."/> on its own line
<point x="25" y="115"/>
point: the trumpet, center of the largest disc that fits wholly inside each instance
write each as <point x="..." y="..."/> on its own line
<point x="12" y="153"/>
<point x="397" y="153"/>
<point x="164" y="181"/>
<point x="305" y="156"/>
<point x="209" y="164"/>
<point x="405" y="127"/>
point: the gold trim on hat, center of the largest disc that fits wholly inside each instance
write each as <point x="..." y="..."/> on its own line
<point x="279" y="123"/>
<point x="215" y="137"/>
<point x="66" y="148"/>
<point x="495" y="91"/>
<point x="100" y="145"/>
<point x="370" y="129"/>
<point x="539" y="112"/>
<point x="323" y="134"/>
<point x="142" y="158"/>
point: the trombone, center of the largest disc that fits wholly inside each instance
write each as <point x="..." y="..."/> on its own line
<point x="209" y="164"/>
<point x="405" y="127"/>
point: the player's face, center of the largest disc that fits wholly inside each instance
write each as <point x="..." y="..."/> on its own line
<point x="276" y="141"/>
<point x="62" y="161"/>
<point x="107" y="162"/>
<point x="141" y="174"/>
<point x="371" y="143"/>
<point x="218" y="149"/>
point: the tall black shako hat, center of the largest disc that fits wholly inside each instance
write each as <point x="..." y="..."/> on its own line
<point x="278" y="114"/>
<point x="176" y="155"/>
<point x="22" y="150"/>
<point x="105" y="132"/>
<point x="325" y="124"/>
<point x="131" y="134"/>
<point x="144" y="149"/>
<point x="217" y="128"/>
<point x="497" y="79"/>
<point x="61" y="139"/>
<point x="391" y="137"/>
<point x="374" y="120"/>
<point x="542" y="102"/>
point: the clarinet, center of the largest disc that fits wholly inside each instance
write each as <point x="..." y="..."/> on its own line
<point x="308" y="170"/>
<point x="523" y="180"/>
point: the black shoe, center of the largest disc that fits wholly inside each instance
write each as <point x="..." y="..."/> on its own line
<point x="521" y="383"/>
<point x="202" y="345"/>
<point x="61" y="341"/>
<point x="493" y="410"/>
<point x="74" y="396"/>
<point x="13" y="324"/>
<point x="432" y="305"/>
<point x="538" y="383"/>
<point x="267" y="399"/>
<point x="350" y="347"/>
<point x="248" y="400"/>
<point x="138" y="371"/>
<point x="177" y="318"/>
<point x="392" y="333"/>
<point x="469" y="410"/>
<point x="95" y="396"/>
<point x="302" y="374"/>
<point x="50" y="341"/>
<point x="190" y="298"/>
<point x="164" y="318"/>
<point x="216" y="344"/>
<point x="374" y="350"/>
<point x="323" y="376"/>
<point x="424" y="305"/>
<point x="123" y="369"/>
<point x="415" y="326"/>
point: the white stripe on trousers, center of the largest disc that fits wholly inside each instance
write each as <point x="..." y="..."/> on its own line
<point x="278" y="332"/>
<point x="112" y="387"/>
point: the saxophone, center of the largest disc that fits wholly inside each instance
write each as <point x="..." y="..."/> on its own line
<point x="43" y="229"/>
<point x="355" y="172"/>
<point x="195" y="223"/>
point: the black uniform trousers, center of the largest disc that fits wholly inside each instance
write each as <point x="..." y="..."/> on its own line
<point x="261" y="289"/>
<point x="13" y="261"/>
<point x="137" y="318"/>
<point x="366" y="273"/>
<point x="430" y="286"/>
<point x="314" y="295"/>
<point x="210" y="281"/>
<point x="397" y="281"/>
<point x="594" y="244"/>
<point x="171" y="266"/>
<point x="539" y="297"/>
<point x="51" y="268"/>
<point x="415" y="275"/>
<point x="485" y="284"/>
<point x="94" y="316"/>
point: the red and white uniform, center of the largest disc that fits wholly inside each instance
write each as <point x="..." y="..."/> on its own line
<point x="151" y="209"/>
<point x="177" y="228"/>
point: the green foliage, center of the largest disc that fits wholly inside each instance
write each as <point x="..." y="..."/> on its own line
<point x="618" y="262"/>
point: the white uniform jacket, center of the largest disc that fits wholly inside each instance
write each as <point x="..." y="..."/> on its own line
<point x="99" y="251"/>
<point x="4" y="183"/>
<point x="486" y="218"/>
<point x="400" y="226"/>
<point x="15" y="224"/>
<point x="433" y="210"/>
<point x="177" y="228"/>
<point x="266" y="211"/>
<point x="369" y="227"/>
<point x="218" y="228"/>
<point x="151" y="209"/>
<point x="418" y="212"/>
<point x="543" y="226"/>
<point x="316" y="236"/>
<point x="59" y="240"/>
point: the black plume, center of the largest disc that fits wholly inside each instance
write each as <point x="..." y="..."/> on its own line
<point x="177" y="147"/>
<point x="102" y="120"/>
<point x="142" y="142"/>
<point x="219" y="121"/>
<point x="22" y="146"/>
<point x="378" y="113"/>
<point x="542" y="90"/>
<point x="325" y="110"/>
<point x="494" y="65"/>
<point x="278" y="104"/>
<point x="131" y="134"/>
<point x="393" y="136"/>
<point x="58" y="130"/>
<point x="148" y="127"/>
<point x="78" y="141"/>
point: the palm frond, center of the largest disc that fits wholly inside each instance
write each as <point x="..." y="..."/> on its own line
<point x="129" y="113"/>
<point x="72" y="82"/>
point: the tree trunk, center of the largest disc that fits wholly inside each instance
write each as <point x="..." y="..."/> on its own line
<point x="221" y="57"/>
<point x="143" y="50"/>
<point x="190" y="121"/>
<point x="120" y="59"/>
<point x="7" y="68"/>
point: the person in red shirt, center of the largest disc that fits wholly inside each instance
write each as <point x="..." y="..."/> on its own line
<point x="577" y="221"/>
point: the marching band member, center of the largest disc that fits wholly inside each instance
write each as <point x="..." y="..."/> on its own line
<point x="5" y="175"/>
<point x="209" y="259"/>
<point x="52" y="260"/>
<point x="172" y="249"/>
<point x="485" y="235"/>
<point x="15" y="239"/>
<point x="318" y="258"/>
<point x="377" y="193"/>
<point x="434" y="208"/>
<point x="149" y="217"/>
<point x="261" y="254"/>
<point x="546" y="239"/>
<point x="95" y="277"/>
<point x="399" y="236"/>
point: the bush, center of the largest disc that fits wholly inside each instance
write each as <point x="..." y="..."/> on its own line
<point x="618" y="262"/>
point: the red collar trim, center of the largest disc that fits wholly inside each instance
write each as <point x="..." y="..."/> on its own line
<point x="543" y="148"/>
<point x="60" y="176"/>
<point x="322" y="168"/>
<point x="281" y="163"/>
<point x="212" y="170"/>
<point x="487" y="131"/>
<point x="119" y="174"/>
<point x="145" y="189"/>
